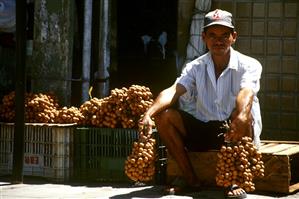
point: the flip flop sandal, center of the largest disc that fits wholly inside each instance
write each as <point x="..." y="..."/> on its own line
<point x="174" y="190"/>
<point x="179" y="187"/>
<point x="231" y="189"/>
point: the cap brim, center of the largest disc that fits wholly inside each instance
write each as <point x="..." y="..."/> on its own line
<point x="222" y="23"/>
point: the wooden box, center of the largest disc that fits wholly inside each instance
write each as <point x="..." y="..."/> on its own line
<point x="204" y="164"/>
<point x="281" y="160"/>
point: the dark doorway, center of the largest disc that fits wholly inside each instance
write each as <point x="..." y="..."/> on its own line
<point x="135" y="64"/>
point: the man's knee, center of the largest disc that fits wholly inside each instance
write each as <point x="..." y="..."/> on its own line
<point x="164" y="116"/>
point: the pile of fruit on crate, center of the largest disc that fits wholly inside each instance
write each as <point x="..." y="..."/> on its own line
<point x="122" y="109"/>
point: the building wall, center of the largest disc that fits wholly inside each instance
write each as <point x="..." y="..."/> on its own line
<point x="268" y="30"/>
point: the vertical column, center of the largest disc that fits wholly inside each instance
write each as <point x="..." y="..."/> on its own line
<point x="18" y="152"/>
<point x="52" y="48"/>
<point x="102" y="49"/>
<point x="86" y="52"/>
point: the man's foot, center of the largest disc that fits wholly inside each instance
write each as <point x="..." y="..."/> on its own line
<point x="235" y="192"/>
<point x="174" y="190"/>
<point x="179" y="187"/>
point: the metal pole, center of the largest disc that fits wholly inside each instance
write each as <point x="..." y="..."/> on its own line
<point x="86" y="49"/>
<point x="18" y="149"/>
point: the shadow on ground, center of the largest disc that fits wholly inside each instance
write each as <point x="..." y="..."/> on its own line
<point x="130" y="190"/>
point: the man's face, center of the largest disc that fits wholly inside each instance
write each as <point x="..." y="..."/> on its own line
<point x="219" y="39"/>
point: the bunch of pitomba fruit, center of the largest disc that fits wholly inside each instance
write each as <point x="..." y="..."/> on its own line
<point x="140" y="164"/>
<point x="122" y="108"/>
<point x="39" y="108"/>
<point x="238" y="164"/>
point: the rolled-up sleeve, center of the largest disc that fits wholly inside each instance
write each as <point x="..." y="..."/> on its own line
<point x="187" y="80"/>
<point x="251" y="76"/>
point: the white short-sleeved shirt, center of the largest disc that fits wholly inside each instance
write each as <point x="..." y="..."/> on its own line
<point x="209" y="99"/>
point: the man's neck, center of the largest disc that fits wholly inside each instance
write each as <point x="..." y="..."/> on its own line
<point x="220" y="63"/>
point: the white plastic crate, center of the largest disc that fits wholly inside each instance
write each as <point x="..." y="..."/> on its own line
<point x="48" y="150"/>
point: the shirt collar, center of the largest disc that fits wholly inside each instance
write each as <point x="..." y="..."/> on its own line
<point x="233" y="60"/>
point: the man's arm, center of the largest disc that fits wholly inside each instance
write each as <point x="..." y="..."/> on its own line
<point x="164" y="100"/>
<point x="241" y="118"/>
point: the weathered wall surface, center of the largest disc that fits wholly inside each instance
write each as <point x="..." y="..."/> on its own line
<point x="52" y="48"/>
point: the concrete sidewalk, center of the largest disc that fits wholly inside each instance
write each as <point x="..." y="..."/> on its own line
<point x="41" y="189"/>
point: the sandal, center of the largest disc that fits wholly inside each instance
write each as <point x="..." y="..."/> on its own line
<point x="181" y="190"/>
<point x="179" y="187"/>
<point x="230" y="192"/>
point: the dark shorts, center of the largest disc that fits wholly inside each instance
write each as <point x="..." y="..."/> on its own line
<point x="202" y="136"/>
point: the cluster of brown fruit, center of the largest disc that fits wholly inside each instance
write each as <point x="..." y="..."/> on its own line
<point x="239" y="164"/>
<point x="7" y="108"/>
<point x="69" y="115"/>
<point x="140" y="164"/>
<point x="39" y="108"/>
<point x="122" y="108"/>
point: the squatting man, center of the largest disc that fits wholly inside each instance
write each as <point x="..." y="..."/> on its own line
<point x="218" y="86"/>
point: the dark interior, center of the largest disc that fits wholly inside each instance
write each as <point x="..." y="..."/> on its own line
<point x="136" y="18"/>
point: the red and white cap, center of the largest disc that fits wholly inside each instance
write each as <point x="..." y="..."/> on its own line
<point x="218" y="17"/>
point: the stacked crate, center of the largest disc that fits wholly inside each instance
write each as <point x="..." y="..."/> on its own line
<point x="67" y="152"/>
<point x="48" y="150"/>
<point x="100" y="153"/>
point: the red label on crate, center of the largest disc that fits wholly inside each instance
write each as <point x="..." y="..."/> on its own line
<point x="31" y="160"/>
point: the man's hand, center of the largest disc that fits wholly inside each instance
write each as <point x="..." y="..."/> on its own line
<point x="241" y="118"/>
<point x="240" y="126"/>
<point x="146" y="124"/>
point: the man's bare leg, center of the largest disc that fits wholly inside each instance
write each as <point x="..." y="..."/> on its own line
<point x="171" y="130"/>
